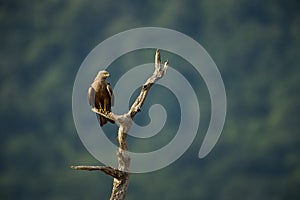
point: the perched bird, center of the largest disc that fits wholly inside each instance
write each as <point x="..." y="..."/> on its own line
<point x="100" y="96"/>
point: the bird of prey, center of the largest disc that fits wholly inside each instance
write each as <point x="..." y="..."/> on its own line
<point x="100" y="96"/>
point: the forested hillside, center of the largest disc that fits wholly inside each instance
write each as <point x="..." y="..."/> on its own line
<point x="255" y="45"/>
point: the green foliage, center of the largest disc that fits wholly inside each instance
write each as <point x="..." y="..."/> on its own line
<point x="255" y="45"/>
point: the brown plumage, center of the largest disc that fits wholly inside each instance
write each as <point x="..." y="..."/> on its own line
<point x="100" y="96"/>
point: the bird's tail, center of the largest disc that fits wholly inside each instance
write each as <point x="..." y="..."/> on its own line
<point x="102" y="120"/>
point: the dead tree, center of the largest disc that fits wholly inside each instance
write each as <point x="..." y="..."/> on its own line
<point x="121" y="175"/>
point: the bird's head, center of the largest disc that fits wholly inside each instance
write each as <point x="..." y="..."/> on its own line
<point x="102" y="74"/>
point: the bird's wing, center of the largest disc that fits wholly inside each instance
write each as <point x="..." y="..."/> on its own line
<point x="110" y="92"/>
<point x="91" y="96"/>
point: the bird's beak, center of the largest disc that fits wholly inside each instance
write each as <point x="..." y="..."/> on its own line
<point x="107" y="75"/>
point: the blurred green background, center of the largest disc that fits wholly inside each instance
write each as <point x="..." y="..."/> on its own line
<point x="256" y="46"/>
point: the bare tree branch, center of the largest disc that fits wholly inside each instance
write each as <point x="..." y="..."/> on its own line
<point x="159" y="72"/>
<point x="115" y="173"/>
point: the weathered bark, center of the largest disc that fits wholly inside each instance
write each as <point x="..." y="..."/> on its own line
<point x="121" y="175"/>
